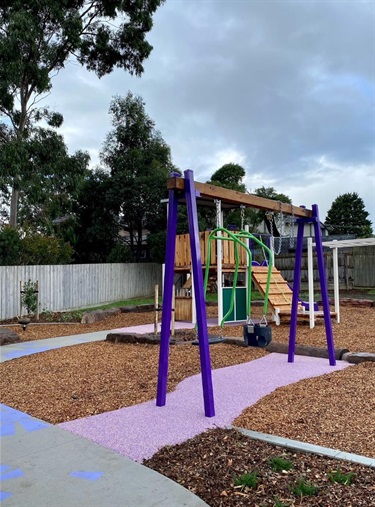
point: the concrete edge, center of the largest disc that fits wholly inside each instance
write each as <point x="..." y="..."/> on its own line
<point x="307" y="448"/>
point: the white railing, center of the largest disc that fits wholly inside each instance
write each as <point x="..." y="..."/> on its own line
<point x="66" y="287"/>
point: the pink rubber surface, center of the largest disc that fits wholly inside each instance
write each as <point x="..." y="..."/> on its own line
<point x="139" y="431"/>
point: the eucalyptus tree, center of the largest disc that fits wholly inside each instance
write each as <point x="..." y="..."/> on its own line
<point x="139" y="162"/>
<point x="38" y="37"/>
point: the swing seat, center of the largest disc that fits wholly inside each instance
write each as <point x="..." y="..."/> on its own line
<point x="212" y="340"/>
<point x="257" y="335"/>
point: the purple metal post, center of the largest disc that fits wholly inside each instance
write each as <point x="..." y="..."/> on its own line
<point x="167" y="299"/>
<point x="323" y="286"/>
<point x="296" y="287"/>
<point x="204" y="350"/>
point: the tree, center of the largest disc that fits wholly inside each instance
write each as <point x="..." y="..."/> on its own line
<point x="255" y="218"/>
<point x="51" y="178"/>
<point x="37" y="37"/>
<point x="32" y="249"/>
<point x="95" y="229"/>
<point x="229" y="176"/>
<point x="347" y="215"/>
<point x="139" y="161"/>
<point x="10" y="246"/>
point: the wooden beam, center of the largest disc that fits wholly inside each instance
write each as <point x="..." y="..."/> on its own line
<point x="211" y="192"/>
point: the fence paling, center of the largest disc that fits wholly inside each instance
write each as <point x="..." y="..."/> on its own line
<point x="66" y="287"/>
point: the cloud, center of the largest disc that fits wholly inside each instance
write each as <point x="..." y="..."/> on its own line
<point x="287" y="87"/>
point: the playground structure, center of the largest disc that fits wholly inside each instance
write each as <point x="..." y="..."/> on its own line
<point x="279" y="294"/>
<point x="186" y="190"/>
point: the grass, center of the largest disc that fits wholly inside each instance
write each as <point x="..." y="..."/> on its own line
<point x="304" y="488"/>
<point x="248" y="480"/>
<point x="341" y="478"/>
<point x="278" y="464"/>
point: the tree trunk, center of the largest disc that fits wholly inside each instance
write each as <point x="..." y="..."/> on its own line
<point x="13" y="208"/>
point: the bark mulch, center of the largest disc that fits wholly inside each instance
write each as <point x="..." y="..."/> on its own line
<point x="227" y="469"/>
<point x="334" y="410"/>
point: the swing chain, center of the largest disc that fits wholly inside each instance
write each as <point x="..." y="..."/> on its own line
<point x="263" y="321"/>
<point x="291" y="234"/>
<point x="270" y="217"/>
<point x="281" y="229"/>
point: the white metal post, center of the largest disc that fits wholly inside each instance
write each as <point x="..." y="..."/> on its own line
<point x="247" y="243"/>
<point x="310" y="274"/>
<point x="219" y="263"/>
<point x="336" y="282"/>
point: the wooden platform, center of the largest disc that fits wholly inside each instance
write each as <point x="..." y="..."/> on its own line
<point x="183" y="254"/>
<point x="280" y="294"/>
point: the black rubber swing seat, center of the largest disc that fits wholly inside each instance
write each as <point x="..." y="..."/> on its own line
<point x="212" y="340"/>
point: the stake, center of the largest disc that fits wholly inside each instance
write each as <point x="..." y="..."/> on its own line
<point x="20" y="298"/>
<point x="173" y="310"/>
<point x="156" y="306"/>
<point x="37" y="300"/>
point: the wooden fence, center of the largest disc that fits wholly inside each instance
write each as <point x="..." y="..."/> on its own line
<point x="356" y="265"/>
<point x="66" y="287"/>
<point x="356" y="268"/>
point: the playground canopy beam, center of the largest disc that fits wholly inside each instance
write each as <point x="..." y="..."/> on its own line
<point x="233" y="198"/>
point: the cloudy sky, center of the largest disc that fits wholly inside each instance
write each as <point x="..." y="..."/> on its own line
<point x="284" y="88"/>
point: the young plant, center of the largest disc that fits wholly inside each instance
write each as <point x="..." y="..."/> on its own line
<point x="341" y="478"/>
<point x="29" y="296"/>
<point x="304" y="488"/>
<point x="247" y="480"/>
<point x="278" y="464"/>
<point x="278" y="503"/>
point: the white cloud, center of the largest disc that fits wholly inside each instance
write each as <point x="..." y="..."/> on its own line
<point x="284" y="88"/>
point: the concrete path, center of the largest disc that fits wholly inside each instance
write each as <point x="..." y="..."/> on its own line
<point x="45" y="466"/>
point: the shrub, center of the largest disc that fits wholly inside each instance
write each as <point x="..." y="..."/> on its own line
<point x="38" y="249"/>
<point x="10" y="246"/>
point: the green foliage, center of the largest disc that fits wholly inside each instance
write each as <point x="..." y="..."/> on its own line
<point x="139" y="161"/>
<point x="156" y="243"/>
<point x="229" y="176"/>
<point x="38" y="37"/>
<point x="340" y="477"/>
<point x="29" y="296"/>
<point x="10" y="246"/>
<point x="278" y="503"/>
<point x="254" y="217"/>
<point x="51" y="178"/>
<point x="96" y="228"/>
<point x="249" y="480"/>
<point x="119" y="253"/>
<point x="270" y="193"/>
<point x="347" y="215"/>
<point x="304" y="488"/>
<point x="278" y="464"/>
<point x="38" y="249"/>
<point x="73" y="316"/>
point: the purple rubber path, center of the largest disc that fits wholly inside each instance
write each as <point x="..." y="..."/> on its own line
<point x="139" y="431"/>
